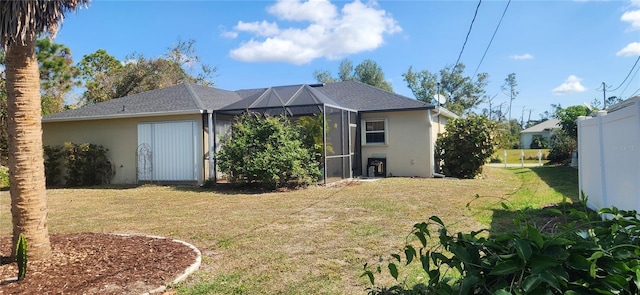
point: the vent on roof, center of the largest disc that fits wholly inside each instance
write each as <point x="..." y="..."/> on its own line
<point x="316" y="85"/>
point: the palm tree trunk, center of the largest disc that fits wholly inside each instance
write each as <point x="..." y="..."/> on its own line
<point x="26" y="165"/>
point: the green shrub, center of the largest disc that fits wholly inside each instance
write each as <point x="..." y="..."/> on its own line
<point x="465" y="146"/>
<point x="267" y="151"/>
<point x="87" y="164"/>
<point x="4" y="177"/>
<point x="539" y="142"/>
<point x="589" y="256"/>
<point x="562" y="148"/>
<point x="53" y="161"/>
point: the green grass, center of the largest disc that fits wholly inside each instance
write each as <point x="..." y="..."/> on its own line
<point x="311" y="241"/>
<point x="514" y="155"/>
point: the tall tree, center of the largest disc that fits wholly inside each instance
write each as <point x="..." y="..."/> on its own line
<point x="100" y="72"/>
<point x="509" y="88"/>
<point x="463" y="93"/>
<point x="4" y="154"/>
<point x="368" y="72"/>
<point x="22" y="21"/>
<point x="57" y="75"/>
<point x="105" y="77"/>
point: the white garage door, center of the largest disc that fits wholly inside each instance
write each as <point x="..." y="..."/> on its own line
<point x="167" y="151"/>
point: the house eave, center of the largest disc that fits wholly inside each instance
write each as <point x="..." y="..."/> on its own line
<point x="397" y="110"/>
<point x="123" y="116"/>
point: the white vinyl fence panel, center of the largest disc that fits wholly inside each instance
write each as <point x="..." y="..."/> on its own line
<point x="609" y="158"/>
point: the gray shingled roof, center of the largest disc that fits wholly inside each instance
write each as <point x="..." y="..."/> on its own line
<point x="544" y="126"/>
<point x="179" y="99"/>
<point x="366" y="98"/>
<point x="193" y="99"/>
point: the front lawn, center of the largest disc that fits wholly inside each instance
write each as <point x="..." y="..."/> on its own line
<point x="312" y="241"/>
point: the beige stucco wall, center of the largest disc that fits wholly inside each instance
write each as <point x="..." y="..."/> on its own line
<point x="120" y="136"/>
<point x="408" y="150"/>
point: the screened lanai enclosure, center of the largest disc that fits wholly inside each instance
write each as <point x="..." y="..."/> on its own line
<point x="340" y="156"/>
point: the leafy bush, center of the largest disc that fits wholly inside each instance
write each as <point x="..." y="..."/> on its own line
<point x="562" y="147"/>
<point x="539" y="142"/>
<point x="53" y="156"/>
<point x="589" y="256"/>
<point x="465" y="146"/>
<point x="4" y="177"/>
<point x="87" y="164"/>
<point x="267" y="151"/>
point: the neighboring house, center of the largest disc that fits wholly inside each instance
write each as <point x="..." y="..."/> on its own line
<point x="544" y="129"/>
<point x="164" y="134"/>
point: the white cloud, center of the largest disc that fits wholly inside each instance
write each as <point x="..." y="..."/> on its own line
<point x="227" y="34"/>
<point x="263" y="28"/>
<point x="521" y="56"/>
<point x="632" y="17"/>
<point x="330" y="33"/>
<point x="571" y="85"/>
<point x="632" y="49"/>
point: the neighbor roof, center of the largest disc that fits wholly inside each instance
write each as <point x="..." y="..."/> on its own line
<point x="547" y="125"/>
<point x="184" y="98"/>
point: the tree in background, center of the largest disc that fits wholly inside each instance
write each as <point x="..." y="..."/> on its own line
<point x="57" y="74"/>
<point x="565" y="141"/>
<point x="463" y="93"/>
<point x="368" y="72"/>
<point x="22" y="22"/>
<point x="105" y="77"/>
<point x="99" y="71"/>
<point x="509" y="88"/>
<point x="465" y="146"/>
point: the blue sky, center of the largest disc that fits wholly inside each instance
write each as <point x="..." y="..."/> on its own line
<point x="561" y="51"/>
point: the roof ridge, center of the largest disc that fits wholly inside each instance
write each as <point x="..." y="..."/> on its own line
<point x="196" y="98"/>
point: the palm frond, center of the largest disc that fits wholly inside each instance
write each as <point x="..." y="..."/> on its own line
<point x="20" y="19"/>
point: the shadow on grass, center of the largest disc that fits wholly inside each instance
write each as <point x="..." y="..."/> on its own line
<point x="550" y="217"/>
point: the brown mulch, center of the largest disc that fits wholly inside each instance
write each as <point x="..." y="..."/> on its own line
<point x="93" y="263"/>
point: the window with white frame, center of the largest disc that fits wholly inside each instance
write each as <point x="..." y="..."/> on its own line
<point x="375" y="131"/>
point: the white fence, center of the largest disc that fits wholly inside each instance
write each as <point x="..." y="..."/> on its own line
<point x="609" y="158"/>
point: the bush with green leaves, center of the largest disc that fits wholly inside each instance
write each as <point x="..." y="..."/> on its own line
<point x="539" y="142"/>
<point x="53" y="161"/>
<point x="562" y="147"/>
<point x="466" y="145"/>
<point x="266" y="151"/>
<point x="596" y="254"/>
<point x="4" y="177"/>
<point x="85" y="164"/>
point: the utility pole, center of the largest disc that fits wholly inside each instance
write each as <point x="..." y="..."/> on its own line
<point x="604" y="95"/>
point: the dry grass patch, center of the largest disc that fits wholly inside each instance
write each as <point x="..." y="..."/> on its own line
<point x="311" y="241"/>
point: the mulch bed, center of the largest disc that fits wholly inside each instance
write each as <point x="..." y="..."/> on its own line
<point x="93" y="263"/>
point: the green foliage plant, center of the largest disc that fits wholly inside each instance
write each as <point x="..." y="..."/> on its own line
<point x="53" y="160"/>
<point x="597" y="253"/>
<point x="86" y="164"/>
<point x="267" y="151"/>
<point x="465" y="146"/>
<point x="562" y="147"/>
<point x="21" y="256"/>
<point x="4" y="177"/>
<point x="539" y="142"/>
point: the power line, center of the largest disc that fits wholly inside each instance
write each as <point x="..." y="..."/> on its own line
<point x="629" y="74"/>
<point x="491" y="41"/>
<point x="632" y="77"/>
<point x="467" y="38"/>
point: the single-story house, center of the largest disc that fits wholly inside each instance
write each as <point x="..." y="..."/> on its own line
<point x="172" y="134"/>
<point x="544" y="129"/>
